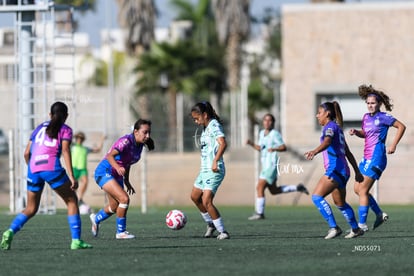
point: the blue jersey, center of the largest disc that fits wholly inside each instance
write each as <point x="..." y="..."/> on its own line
<point x="375" y="128"/>
<point x="129" y="153"/>
<point x="334" y="157"/>
<point x="45" y="152"/>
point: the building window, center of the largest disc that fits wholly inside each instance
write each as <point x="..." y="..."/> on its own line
<point x="353" y="108"/>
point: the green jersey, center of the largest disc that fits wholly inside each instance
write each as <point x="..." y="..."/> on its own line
<point x="79" y="156"/>
<point x="272" y="140"/>
<point x="209" y="145"/>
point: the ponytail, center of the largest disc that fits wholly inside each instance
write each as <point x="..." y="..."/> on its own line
<point x="58" y="114"/>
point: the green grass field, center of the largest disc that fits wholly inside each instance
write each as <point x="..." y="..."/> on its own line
<point x="288" y="242"/>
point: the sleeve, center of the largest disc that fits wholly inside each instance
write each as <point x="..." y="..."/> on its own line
<point x="328" y="130"/>
<point x="67" y="133"/>
<point x="278" y="138"/>
<point x="389" y="120"/>
<point x="121" y="144"/>
<point x="218" y="130"/>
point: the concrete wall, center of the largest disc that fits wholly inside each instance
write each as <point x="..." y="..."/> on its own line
<point x="338" y="47"/>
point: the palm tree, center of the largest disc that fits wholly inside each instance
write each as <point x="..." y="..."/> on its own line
<point x="204" y="36"/>
<point x="138" y="17"/>
<point x="233" y="27"/>
<point x="184" y="69"/>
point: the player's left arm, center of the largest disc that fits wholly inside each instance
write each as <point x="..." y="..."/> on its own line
<point x="222" y="145"/>
<point x="130" y="189"/>
<point x="400" y="132"/>
<point x="351" y="158"/>
<point x="68" y="163"/>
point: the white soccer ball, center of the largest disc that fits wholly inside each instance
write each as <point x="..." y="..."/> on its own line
<point x="175" y="219"/>
<point x="84" y="209"/>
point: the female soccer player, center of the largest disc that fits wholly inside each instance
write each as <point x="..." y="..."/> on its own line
<point x="80" y="165"/>
<point x="113" y="172"/>
<point x="270" y="142"/>
<point x="47" y="143"/>
<point x="334" y="149"/>
<point x="212" y="170"/>
<point x="375" y="125"/>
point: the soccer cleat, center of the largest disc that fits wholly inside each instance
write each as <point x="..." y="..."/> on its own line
<point x="223" y="236"/>
<point x="256" y="216"/>
<point x="355" y="233"/>
<point x="333" y="233"/>
<point x="95" y="226"/>
<point x="380" y="220"/>
<point x="301" y="188"/>
<point x="79" y="244"/>
<point x="124" y="236"/>
<point x="7" y="239"/>
<point x="210" y="230"/>
<point x="363" y="226"/>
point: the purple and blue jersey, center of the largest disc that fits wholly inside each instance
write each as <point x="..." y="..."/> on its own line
<point x="376" y="128"/>
<point x="334" y="157"/>
<point x="45" y="152"/>
<point x="129" y="153"/>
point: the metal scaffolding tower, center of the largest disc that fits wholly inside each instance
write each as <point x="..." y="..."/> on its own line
<point x="36" y="85"/>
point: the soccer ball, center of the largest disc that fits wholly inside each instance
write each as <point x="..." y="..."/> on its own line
<point x="175" y="219"/>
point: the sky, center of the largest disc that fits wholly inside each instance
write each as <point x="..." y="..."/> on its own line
<point x="105" y="16"/>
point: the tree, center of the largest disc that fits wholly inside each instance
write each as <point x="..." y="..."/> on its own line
<point x="204" y="37"/>
<point x="233" y="27"/>
<point x="138" y="17"/>
<point x="172" y="68"/>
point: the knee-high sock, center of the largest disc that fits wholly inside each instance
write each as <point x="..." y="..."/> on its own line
<point x="18" y="222"/>
<point x="349" y="215"/>
<point x="288" y="188"/>
<point x="363" y="214"/>
<point x="325" y="210"/>
<point x="101" y="216"/>
<point x="75" y="226"/>
<point x="260" y="205"/>
<point x="206" y="217"/>
<point x="218" y="223"/>
<point x="374" y="205"/>
<point x="120" y="224"/>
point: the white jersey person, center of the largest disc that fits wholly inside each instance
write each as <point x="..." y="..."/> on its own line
<point x="270" y="143"/>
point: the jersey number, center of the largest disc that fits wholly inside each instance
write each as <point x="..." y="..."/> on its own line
<point x="40" y="139"/>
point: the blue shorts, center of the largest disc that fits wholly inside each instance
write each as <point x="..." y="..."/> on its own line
<point x="36" y="181"/>
<point x="340" y="177"/>
<point x="209" y="180"/>
<point x="103" y="175"/>
<point x="373" y="168"/>
<point x="269" y="174"/>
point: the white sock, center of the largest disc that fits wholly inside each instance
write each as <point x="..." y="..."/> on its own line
<point x="206" y="217"/>
<point x="260" y="205"/>
<point x="288" y="188"/>
<point x="218" y="223"/>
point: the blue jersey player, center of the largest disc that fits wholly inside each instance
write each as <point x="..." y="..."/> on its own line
<point x="48" y="142"/>
<point x="335" y="151"/>
<point x="375" y="125"/>
<point x="112" y="173"/>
